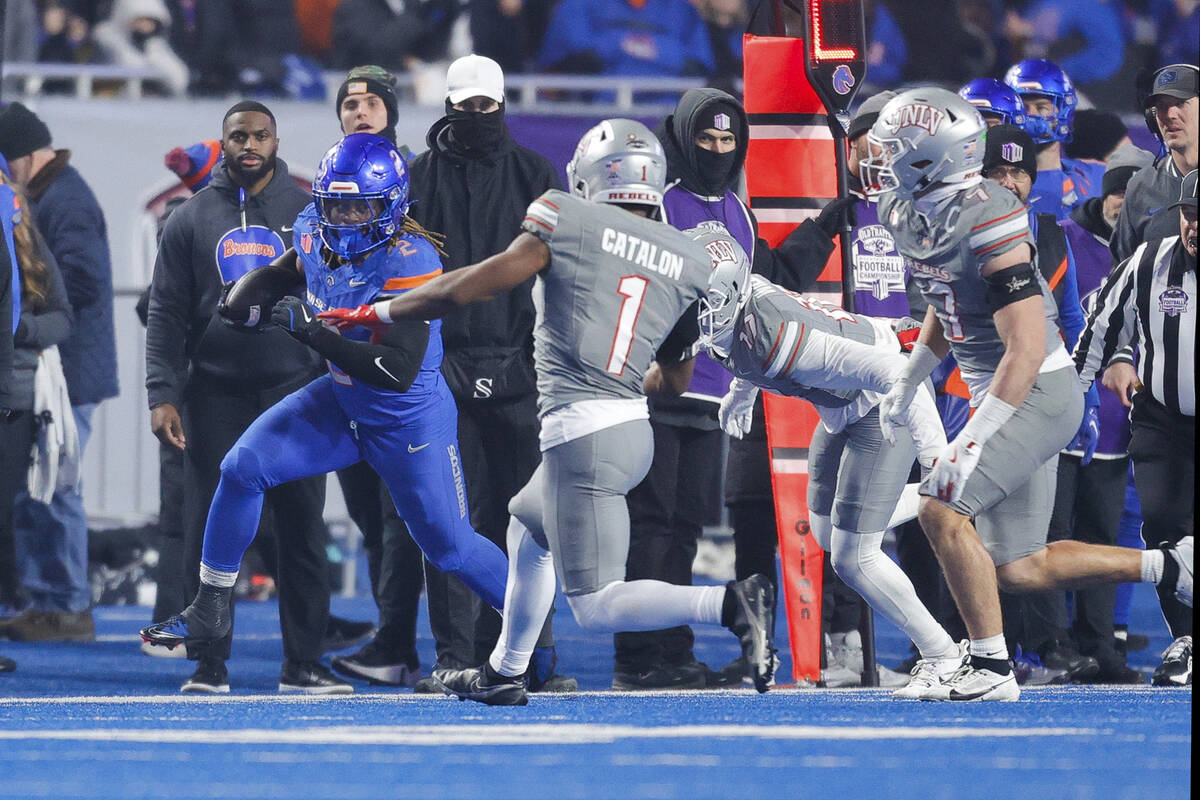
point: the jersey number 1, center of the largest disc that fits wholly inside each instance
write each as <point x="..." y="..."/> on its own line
<point x="633" y="289"/>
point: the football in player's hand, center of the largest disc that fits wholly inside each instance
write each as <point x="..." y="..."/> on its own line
<point x="246" y="303"/>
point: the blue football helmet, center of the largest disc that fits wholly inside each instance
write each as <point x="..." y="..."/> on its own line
<point x="361" y="194"/>
<point x="991" y="97"/>
<point x="1039" y="77"/>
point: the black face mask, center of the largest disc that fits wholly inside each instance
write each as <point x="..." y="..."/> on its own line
<point x="475" y="131"/>
<point x="715" y="169"/>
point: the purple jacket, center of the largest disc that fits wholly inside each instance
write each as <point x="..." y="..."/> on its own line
<point x="1093" y="262"/>
<point x="683" y="209"/>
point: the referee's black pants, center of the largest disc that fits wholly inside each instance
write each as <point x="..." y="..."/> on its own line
<point x="498" y="443"/>
<point x="1163" y="449"/>
<point x="213" y="419"/>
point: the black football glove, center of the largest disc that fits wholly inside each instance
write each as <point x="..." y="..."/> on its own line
<point x="837" y="213"/>
<point x="297" y="318"/>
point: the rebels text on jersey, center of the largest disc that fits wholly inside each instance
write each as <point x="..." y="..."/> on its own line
<point x="947" y="247"/>
<point x="616" y="286"/>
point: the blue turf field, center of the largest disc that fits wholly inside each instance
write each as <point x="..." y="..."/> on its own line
<point x="104" y="721"/>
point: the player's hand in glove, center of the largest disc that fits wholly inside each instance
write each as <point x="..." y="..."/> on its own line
<point x="736" y="414"/>
<point x="953" y="467"/>
<point x="836" y="214"/>
<point x="364" y="316"/>
<point x="297" y="318"/>
<point x="1088" y="435"/>
<point x="893" y="408"/>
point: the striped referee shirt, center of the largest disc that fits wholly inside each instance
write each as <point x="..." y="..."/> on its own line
<point x="1148" y="300"/>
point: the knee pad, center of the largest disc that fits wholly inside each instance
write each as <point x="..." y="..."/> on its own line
<point x="821" y="527"/>
<point x="242" y="467"/>
<point x="853" y="554"/>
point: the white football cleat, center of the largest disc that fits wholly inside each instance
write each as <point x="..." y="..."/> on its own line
<point x="970" y="684"/>
<point x="929" y="673"/>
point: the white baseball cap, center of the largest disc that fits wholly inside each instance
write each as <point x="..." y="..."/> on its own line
<point x="472" y="76"/>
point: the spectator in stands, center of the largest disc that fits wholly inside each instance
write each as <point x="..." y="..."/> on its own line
<point x="206" y="383"/>
<point x="1173" y="113"/>
<point x="135" y="35"/>
<point x="1177" y="23"/>
<point x="54" y="537"/>
<point x="474" y="184"/>
<point x="1047" y="25"/>
<point x="887" y="52"/>
<point x="726" y="21"/>
<point x="509" y="31"/>
<point x="411" y="37"/>
<point x="627" y="37"/>
<point x="21" y="31"/>
<point x="247" y="46"/>
<point x="67" y="34"/>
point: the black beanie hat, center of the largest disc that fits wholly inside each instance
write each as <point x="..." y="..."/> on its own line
<point x="720" y="115"/>
<point x="1097" y="134"/>
<point x="370" y="79"/>
<point x="1008" y="144"/>
<point x="21" y="132"/>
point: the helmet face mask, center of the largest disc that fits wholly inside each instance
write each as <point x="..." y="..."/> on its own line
<point x="727" y="294"/>
<point x="922" y="137"/>
<point x="1037" y="77"/>
<point x="361" y="194"/>
<point x="619" y="161"/>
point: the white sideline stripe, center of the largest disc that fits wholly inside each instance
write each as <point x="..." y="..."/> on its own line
<point x="531" y="734"/>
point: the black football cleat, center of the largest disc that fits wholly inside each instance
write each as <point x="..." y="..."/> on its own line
<point x="483" y="685"/>
<point x="1176" y="666"/>
<point x="207" y="619"/>
<point x="210" y="677"/>
<point x="753" y="622"/>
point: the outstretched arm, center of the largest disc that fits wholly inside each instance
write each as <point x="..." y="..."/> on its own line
<point x="524" y="258"/>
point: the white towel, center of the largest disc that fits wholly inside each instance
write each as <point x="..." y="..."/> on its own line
<point x="55" y="457"/>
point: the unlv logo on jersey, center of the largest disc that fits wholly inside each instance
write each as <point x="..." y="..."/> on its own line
<point x="916" y="115"/>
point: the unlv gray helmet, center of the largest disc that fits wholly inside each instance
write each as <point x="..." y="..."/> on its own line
<point x="923" y="136"/>
<point x="728" y="289"/>
<point x="619" y="161"/>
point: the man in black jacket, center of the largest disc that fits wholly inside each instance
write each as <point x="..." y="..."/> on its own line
<point x="207" y="382"/>
<point x="474" y="185"/>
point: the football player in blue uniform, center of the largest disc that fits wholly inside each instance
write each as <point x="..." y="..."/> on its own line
<point x="1049" y="96"/>
<point x="384" y="400"/>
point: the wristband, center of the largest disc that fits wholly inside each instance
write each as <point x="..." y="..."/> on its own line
<point x="381" y="310"/>
<point x="922" y="361"/>
<point x="987" y="419"/>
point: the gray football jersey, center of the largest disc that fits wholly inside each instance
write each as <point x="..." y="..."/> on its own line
<point x="773" y="331"/>
<point x="947" y="252"/>
<point x="617" y="284"/>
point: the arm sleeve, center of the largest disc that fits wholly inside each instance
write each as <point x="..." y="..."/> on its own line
<point x="1112" y="322"/>
<point x="797" y="261"/>
<point x="172" y="292"/>
<point x="680" y="342"/>
<point x="390" y="363"/>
